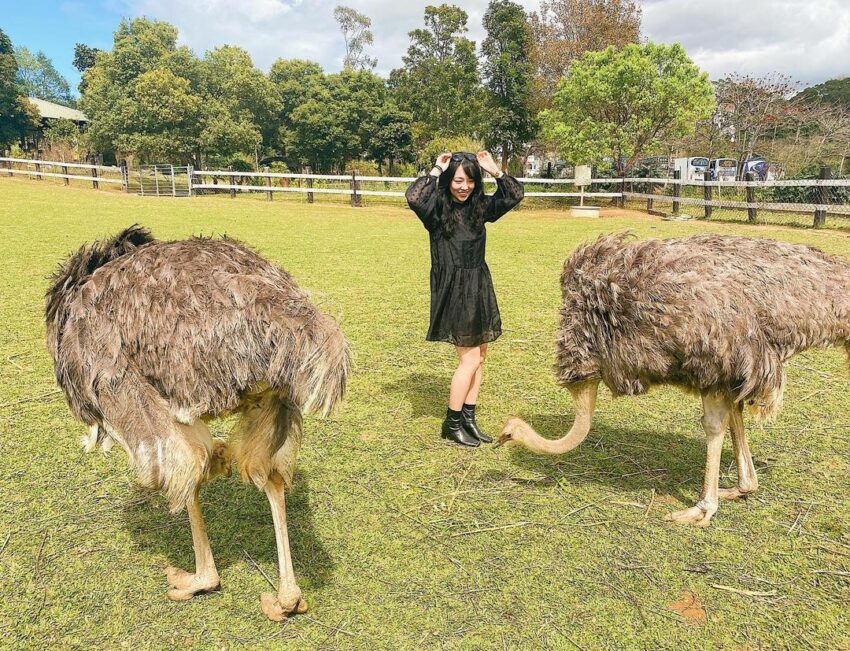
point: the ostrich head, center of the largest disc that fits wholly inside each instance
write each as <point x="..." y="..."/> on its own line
<point x="515" y="432"/>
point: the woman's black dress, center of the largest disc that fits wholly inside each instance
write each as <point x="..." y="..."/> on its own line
<point x="464" y="311"/>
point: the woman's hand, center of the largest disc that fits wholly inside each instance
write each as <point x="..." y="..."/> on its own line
<point x="443" y="160"/>
<point x="485" y="160"/>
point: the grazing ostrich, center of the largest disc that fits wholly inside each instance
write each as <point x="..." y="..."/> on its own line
<point x="715" y="315"/>
<point x="152" y="339"/>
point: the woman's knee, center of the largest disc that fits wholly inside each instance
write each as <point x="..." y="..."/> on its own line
<point x="470" y="358"/>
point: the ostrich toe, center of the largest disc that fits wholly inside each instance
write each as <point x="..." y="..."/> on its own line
<point x="277" y="610"/>
<point x="186" y="585"/>
<point x="694" y="515"/>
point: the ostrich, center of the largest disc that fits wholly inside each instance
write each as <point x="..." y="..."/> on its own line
<point x="715" y="315"/>
<point x="152" y="339"/>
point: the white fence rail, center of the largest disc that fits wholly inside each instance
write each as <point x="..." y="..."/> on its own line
<point x="818" y="196"/>
<point x="20" y="166"/>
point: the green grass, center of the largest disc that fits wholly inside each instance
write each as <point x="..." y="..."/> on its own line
<point x="400" y="541"/>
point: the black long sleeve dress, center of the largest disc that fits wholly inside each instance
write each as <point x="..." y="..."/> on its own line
<point x="464" y="311"/>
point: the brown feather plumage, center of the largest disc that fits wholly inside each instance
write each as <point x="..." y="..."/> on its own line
<point x="710" y="313"/>
<point x="149" y="338"/>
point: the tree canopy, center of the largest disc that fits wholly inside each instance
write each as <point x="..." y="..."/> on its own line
<point x="621" y="103"/>
<point x="39" y="78"/>
<point x="18" y="117"/>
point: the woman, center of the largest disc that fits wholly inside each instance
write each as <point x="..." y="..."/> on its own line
<point x="451" y="203"/>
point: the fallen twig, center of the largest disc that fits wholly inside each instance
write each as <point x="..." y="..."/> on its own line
<point x="485" y="529"/>
<point x="748" y="593"/>
<point x="250" y="559"/>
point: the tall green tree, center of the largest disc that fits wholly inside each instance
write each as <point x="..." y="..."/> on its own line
<point x="439" y="83"/>
<point x="39" y="78"/>
<point x="508" y="79"/>
<point x="84" y="58"/>
<point x="622" y="103"/>
<point x="144" y="97"/>
<point x="391" y="140"/>
<point x="357" y="34"/>
<point x="18" y="117"/>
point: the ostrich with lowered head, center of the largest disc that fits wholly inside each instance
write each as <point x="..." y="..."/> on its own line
<point x="152" y="339"/>
<point x="715" y="315"/>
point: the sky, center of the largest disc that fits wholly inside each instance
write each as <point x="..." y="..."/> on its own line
<point x="806" y="39"/>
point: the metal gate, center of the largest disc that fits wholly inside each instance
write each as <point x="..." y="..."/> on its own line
<point x="160" y="181"/>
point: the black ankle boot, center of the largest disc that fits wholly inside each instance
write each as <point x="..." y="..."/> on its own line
<point x="468" y="420"/>
<point x="454" y="430"/>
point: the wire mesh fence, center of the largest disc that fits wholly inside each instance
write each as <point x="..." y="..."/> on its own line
<point x="812" y="202"/>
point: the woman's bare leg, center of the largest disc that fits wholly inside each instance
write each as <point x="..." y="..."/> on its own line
<point x="468" y="366"/>
<point x="475" y="387"/>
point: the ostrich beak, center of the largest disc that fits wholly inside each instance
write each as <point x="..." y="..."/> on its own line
<point x="504" y="437"/>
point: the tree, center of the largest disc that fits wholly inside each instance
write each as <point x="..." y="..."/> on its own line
<point x="39" y="78"/>
<point x="84" y="58"/>
<point x="508" y="73"/>
<point x="834" y="91"/>
<point x="18" y="117"/>
<point x="622" y="103"/>
<point x="356" y="34"/>
<point x="249" y="98"/>
<point x="144" y="97"/>
<point x="391" y="139"/>
<point x="439" y="84"/>
<point x="750" y="108"/>
<point x="565" y="29"/>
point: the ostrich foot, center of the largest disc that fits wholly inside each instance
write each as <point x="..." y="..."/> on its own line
<point x="186" y="585"/>
<point x="698" y="516"/>
<point x="278" y="607"/>
<point x="89" y="441"/>
<point x="732" y="494"/>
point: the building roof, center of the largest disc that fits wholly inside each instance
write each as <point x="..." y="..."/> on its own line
<point x="53" y="111"/>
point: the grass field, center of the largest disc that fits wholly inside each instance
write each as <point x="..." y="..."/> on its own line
<point x="400" y="541"/>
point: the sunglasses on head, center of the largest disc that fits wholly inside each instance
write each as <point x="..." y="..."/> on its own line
<point x="460" y="155"/>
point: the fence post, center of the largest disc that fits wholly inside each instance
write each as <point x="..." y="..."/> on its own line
<point x="232" y="183"/>
<point x="269" y="193"/>
<point x="677" y="190"/>
<point x="141" y="182"/>
<point x="38" y="172"/>
<point x="309" y="185"/>
<point x="706" y="193"/>
<point x="355" y="200"/>
<point x="125" y="177"/>
<point x="9" y="167"/>
<point x="189" y="172"/>
<point x="94" y="182"/>
<point x="751" y="198"/>
<point x="65" y="172"/>
<point x="621" y="200"/>
<point x="820" y="213"/>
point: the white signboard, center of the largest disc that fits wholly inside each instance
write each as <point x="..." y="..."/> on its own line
<point x="583" y="175"/>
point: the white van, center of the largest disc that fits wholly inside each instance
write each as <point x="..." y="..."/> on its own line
<point x="691" y="169"/>
<point x="723" y="169"/>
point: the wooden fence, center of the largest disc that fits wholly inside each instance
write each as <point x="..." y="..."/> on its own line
<point x="815" y="197"/>
<point x="96" y="174"/>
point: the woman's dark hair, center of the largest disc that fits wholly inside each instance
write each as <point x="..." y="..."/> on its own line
<point x="449" y="218"/>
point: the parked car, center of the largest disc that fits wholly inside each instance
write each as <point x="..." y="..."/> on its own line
<point x="723" y="169"/>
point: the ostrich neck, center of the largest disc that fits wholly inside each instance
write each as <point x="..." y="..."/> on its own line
<point x="584" y="396"/>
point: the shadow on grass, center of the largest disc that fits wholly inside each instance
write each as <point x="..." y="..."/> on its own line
<point x="238" y="520"/>
<point x="428" y="393"/>
<point x="623" y="459"/>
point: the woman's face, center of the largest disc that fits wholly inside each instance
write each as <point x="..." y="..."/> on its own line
<point x="461" y="186"/>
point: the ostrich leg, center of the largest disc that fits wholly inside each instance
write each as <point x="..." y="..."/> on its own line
<point x="747" y="480"/>
<point x="205" y="578"/>
<point x="716" y="413"/>
<point x="288" y="598"/>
